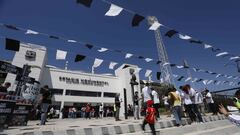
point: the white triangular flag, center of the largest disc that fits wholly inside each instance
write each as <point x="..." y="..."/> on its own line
<point x="231" y="83"/>
<point x="148" y="73"/>
<point x="175" y="76"/>
<point x="235" y="78"/>
<point x="194" y="80"/>
<point x="61" y="55"/>
<point x="233" y="58"/>
<point x="137" y="70"/>
<point x="72" y="41"/>
<point x="165" y="64"/>
<point x="230" y="77"/>
<point x="221" y="54"/>
<point x="128" y="55"/>
<point x="180" y="67"/>
<point x="114" y="10"/>
<point x="97" y="62"/>
<point x="206" y="46"/>
<point x="102" y="49"/>
<point x="218" y="82"/>
<point x="218" y="75"/>
<point x="188" y="79"/>
<point x="209" y="82"/>
<point x="184" y="37"/>
<point x="205" y="82"/>
<point x="155" y="26"/>
<point x="148" y="59"/>
<point x="194" y="69"/>
<point x="112" y="65"/>
<point x="31" y="32"/>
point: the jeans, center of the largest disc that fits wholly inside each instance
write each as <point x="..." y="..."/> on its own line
<point x="136" y="112"/>
<point x="44" y="109"/>
<point x="195" y="110"/>
<point x="176" y="110"/>
<point x="117" y="113"/>
<point x="201" y="108"/>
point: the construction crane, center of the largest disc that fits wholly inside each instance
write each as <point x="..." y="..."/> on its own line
<point x="165" y="68"/>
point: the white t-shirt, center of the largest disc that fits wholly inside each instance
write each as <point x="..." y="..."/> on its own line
<point x="209" y="98"/>
<point x="146" y="94"/>
<point x="101" y="108"/>
<point x="198" y="98"/>
<point x="186" y="98"/>
<point x="155" y="97"/>
<point x="192" y="94"/>
<point x="165" y="99"/>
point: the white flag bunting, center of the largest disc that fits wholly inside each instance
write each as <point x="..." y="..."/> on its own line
<point x="112" y="65"/>
<point x="61" y="55"/>
<point x="221" y="54"/>
<point x="97" y="62"/>
<point x="148" y="73"/>
<point x="206" y="46"/>
<point x="184" y="37"/>
<point x="148" y="59"/>
<point x="32" y="32"/>
<point x="155" y="26"/>
<point x="128" y="55"/>
<point x="102" y="50"/>
<point x="114" y="10"/>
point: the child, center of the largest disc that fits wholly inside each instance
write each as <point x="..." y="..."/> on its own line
<point x="150" y="117"/>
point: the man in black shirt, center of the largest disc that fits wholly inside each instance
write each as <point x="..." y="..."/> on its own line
<point x="117" y="106"/>
<point x="45" y="102"/>
<point x="136" y="106"/>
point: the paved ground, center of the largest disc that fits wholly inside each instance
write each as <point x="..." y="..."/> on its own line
<point x="109" y="126"/>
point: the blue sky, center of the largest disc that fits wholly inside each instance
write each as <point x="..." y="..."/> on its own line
<point x="215" y="22"/>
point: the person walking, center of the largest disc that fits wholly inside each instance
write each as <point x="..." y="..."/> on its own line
<point x="166" y="105"/>
<point x="146" y="95"/>
<point x="156" y="101"/>
<point x="101" y="110"/>
<point x="136" y="106"/>
<point x="150" y="117"/>
<point x="175" y="99"/>
<point x="88" y="111"/>
<point x="117" y="106"/>
<point x="45" y="101"/>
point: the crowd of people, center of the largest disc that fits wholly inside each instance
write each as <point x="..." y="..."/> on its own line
<point x="184" y="102"/>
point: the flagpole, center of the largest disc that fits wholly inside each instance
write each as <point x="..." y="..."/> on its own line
<point x="92" y="70"/>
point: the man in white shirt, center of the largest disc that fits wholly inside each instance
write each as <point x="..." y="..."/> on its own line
<point x="146" y="95"/>
<point x="210" y="102"/>
<point x="199" y="102"/>
<point x="156" y="100"/>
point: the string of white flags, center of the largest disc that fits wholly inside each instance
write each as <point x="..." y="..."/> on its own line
<point x="126" y="54"/>
<point x="115" y="10"/>
<point x="14" y="45"/>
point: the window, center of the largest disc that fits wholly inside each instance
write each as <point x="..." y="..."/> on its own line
<point x="56" y="91"/>
<point x="83" y="93"/>
<point x="108" y="94"/>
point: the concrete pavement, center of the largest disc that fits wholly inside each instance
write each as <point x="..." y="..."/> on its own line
<point x="106" y="126"/>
